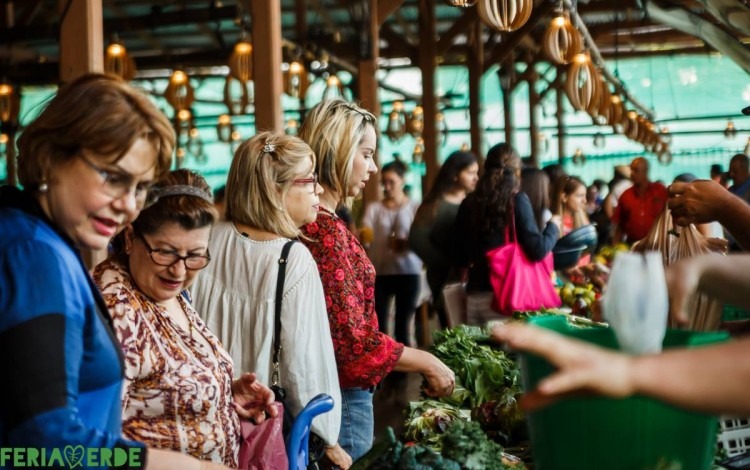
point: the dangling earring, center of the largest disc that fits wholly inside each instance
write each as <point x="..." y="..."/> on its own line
<point x="43" y="187"/>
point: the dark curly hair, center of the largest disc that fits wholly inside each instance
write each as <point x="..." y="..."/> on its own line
<point x="498" y="184"/>
<point x="452" y="167"/>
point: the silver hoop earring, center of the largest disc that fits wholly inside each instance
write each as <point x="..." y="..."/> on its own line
<point x="43" y="188"/>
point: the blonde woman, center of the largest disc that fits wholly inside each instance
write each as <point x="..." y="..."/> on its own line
<point x="343" y="136"/>
<point x="272" y="190"/>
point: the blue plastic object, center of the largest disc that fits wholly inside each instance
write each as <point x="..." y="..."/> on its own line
<point x="297" y="442"/>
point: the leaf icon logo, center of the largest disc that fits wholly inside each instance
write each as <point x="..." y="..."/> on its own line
<point x="73" y="455"/>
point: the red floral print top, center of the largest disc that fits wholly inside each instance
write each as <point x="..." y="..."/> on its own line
<point x="364" y="355"/>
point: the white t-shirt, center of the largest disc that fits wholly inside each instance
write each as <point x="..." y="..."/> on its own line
<point x="386" y="223"/>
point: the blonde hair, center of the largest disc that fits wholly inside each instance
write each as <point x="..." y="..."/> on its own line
<point x="263" y="170"/>
<point x="96" y="112"/>
<point x="334" y="129"/>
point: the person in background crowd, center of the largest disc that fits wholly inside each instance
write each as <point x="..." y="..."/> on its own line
<point x="431" y="234"/>
<point x="718" y="174"/>
<point x="639" y="206"/>
<point x="398" y="268"/>
<point x="593" y="199"/>
<point x="178" y="393"/>
<point x="344" y="136"/>
<point x="219" y="201"/>
<point x="535" y="184"/>
<point x="554" y="173"/>
<point x="481" y="222"/>
<point x="272" y="190"/>
<point x="86" y="163"/>
<point x="619" y="184"/>
<point x="704" y="201"/>
<point x="570" y="203"/>
<point x="669" y="376"/>
<point x="739" y="173"/>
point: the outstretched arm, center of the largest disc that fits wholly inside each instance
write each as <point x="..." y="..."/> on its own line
<point x="719" y="387"/>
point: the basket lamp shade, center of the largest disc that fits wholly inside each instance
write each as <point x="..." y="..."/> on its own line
<point x="562" y="41"/>
<point x="179" y="92"/>
<point x="10" y="104"/>
<point x="616" y="110"/>
<point x="224" y="128"/>
<point x="601" y="117"/>
<point x="237" y="95"/>
<point x="418" y="154"/>
<point x="396" y="127"/>
<point x="296" y="80"/>
<point x="241" y="61"/>
<point x="461" y="3"/>
<point x="334" y="88"/>
<point x="505" y="15"/>
<point x="582" y="83"/>
<point x="415" y="123"/>
<point x="118" y="62"/>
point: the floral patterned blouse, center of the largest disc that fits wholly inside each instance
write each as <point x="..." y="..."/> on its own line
<point x="364" y="355"/>
<point x="178" y="384"/>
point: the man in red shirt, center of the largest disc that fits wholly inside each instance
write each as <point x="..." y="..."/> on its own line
<point x="640" y="205"/>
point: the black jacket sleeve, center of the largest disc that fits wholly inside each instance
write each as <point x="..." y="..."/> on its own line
<point x="535" y="244"/>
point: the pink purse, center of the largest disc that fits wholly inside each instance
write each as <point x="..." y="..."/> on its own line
<point x="519" y="284"/>
<point x="262" y="446"/>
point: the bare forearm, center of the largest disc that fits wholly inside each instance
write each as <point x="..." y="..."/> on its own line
<point x="711" y="379"/>
<point x="414" y="360"/>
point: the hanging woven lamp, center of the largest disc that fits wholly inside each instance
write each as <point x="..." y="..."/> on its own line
<point x="334" y="88"/>
<point x="461" y="3"/>
<point x="616" y="110"/>
<point x="296" y="80"/>
<point x="241" y="61"/>
<point x="505" y="15"/>
<point x="396" y="128"/>
<point x="118" y="62"/>
<point x="582" y="83"/>
<point x="10" y="104"/>
<point x="562" y="41"/>
<point x="237" y="95"/>
<point x="630" y="124"/>
<point x="418" y="154"/>
<point x="605" y="104"/>
<point x="179" y="92"/>
<point x="415" y="123"/>
<point x="224" y="128"/>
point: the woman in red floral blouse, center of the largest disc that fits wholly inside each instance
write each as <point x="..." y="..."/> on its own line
<point x="344" y="138"/>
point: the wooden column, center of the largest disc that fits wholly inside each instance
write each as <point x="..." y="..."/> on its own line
<point x="266" y="17"/>
<point x="81" y="38"/>
<point x="560" y="114"/>
<point x="367" y="84"/>
<point x="82" y="51"/>
<point x="533" y="115"/>
<point x="476" y="68"/>
<point x="300" y="15"/>
<point x="506" y="74"/>
<point x="428" y="65"/>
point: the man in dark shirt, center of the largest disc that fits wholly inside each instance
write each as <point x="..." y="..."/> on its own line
<point x="640" y="205"/>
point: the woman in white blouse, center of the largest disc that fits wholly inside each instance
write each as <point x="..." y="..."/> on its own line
<point x="271" y="191"/>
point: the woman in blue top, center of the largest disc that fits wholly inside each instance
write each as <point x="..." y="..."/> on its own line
<point x="86" y="164"/>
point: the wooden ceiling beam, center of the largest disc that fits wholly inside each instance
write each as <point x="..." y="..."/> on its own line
<point x="462" y="25"/>
<point x="397" y="42"/>
<point x="386" y="8"/>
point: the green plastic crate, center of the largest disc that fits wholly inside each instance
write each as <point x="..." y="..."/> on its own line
<point x="636" y="433"/>
<point x="732" y="313"/>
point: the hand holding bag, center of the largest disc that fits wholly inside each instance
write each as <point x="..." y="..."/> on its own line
<point x="519" y="284"/>
<point x="262" y="445"/>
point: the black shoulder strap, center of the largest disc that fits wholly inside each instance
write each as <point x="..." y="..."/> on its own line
<point x="277" y="314"/>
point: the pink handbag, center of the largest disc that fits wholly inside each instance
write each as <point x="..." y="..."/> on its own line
<point x="517" y="283"/>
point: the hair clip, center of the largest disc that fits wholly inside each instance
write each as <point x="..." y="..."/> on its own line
<point x="269" y="148"/>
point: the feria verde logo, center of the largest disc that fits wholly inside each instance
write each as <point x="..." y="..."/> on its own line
<point x="70" y="457"/>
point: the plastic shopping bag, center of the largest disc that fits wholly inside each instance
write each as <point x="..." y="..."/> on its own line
<point x="636" y="303"/>
<point x="262" y="446"/>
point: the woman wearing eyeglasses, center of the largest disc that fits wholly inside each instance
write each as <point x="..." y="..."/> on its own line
<point x="179" y="392"/>
<point x="272" y="189"/>
<point x="85" y="163"/>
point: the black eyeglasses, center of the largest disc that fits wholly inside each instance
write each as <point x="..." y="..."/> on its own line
<point x="119" y="184"/>
<point x="306" y="181"/>
<point x="169" y="258"/>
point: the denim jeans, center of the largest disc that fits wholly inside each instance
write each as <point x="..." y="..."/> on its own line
<point x="357" y="422"/>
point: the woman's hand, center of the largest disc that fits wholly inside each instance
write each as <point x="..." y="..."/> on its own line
<point x="252" y="399"/>
<point x="440" y="378"/>
<point x="338" y="457"/>
<point x="582" y="368"/>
